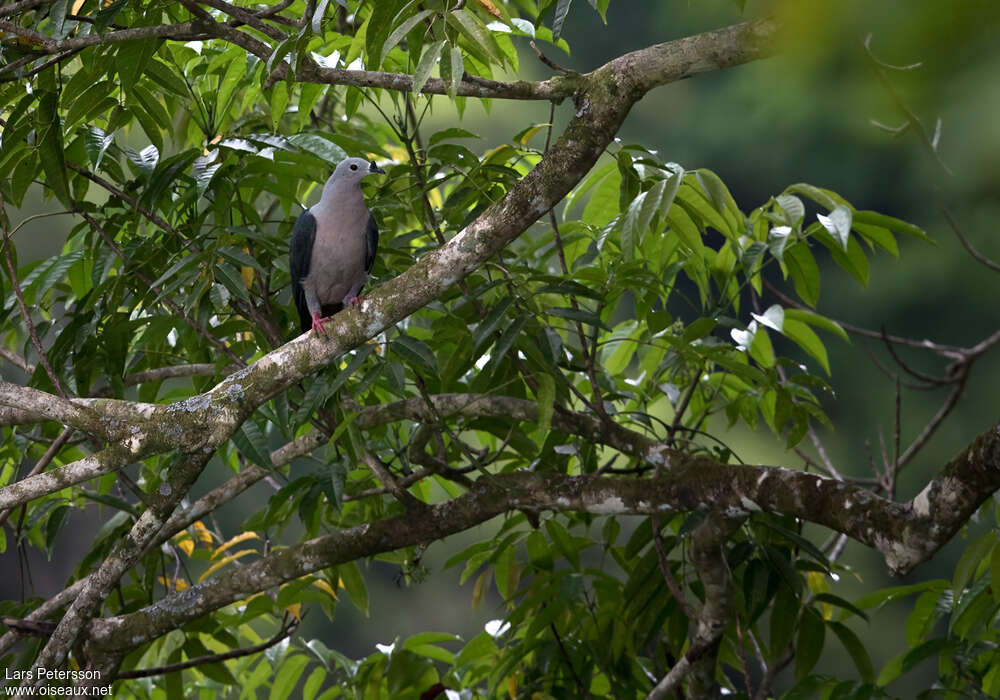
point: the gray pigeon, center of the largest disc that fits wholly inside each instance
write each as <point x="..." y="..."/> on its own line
<point x="333" y="246"/>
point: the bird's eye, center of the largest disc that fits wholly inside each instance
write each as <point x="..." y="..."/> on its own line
<point x="353" y="166"/>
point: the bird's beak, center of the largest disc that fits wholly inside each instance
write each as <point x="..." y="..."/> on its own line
<point x="372" y="168"/>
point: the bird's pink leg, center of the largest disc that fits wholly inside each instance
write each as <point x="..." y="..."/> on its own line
<point x="355" y="301"/>
<point x="318" y="323"/>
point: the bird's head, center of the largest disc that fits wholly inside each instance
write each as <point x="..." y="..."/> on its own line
<point x="354" y="170"/>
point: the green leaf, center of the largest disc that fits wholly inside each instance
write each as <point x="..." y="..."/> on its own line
<point x="457" y="70"/>
<point x="48" y="129"/>
<point x="317" y="18"/>
<point x="252" y="443"/>
<point x="812" y="634"/>
<point x="784" y="615"/>
<point x="564" y="542"/>
<point x="401" y="30"/>
<point x="546" y="397"/>
<point x="802" y="267"/>
<point x="559" y="18"/>
<point x="315" y="680"/>
<point x="857" y="650"/>
<point x="974" y="555"/>
<point x="794" y="210"/>
<point x="380" y="23"/>
<point x="838" y="223"/>
<point x="54" y="524"/>
<point x="806" y="339"/>
<point x="814" y="319"/>
<point x="415" y="353"/>
<point x="426" y="65"/>
<point x="318" y="146"/>
<point x="581" y="315"/>
<point x="289" y="672"/>
<point x="891" y="223"/>
<point x="480" y="42"/>
<point x="686" y="230"/>
<point x="131" y="59"/>
<point x="354" y="584"/>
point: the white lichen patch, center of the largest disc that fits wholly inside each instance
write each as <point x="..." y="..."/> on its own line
<point x="922" y="501"/>
<point x="609" y="506"/>
<point x="562" y="502"/>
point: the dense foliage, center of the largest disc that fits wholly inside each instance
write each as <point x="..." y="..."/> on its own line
<point x="650" y="308"/>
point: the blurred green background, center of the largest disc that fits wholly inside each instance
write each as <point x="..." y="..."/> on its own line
<point x="803" y="116"/>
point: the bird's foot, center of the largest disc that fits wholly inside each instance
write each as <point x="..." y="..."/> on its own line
<point x="317" y="324"/>
<point x="355" y="301"/>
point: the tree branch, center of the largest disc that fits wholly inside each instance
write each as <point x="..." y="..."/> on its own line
<point x="905" y="533"/>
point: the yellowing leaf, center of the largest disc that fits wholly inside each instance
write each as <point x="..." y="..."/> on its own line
<point x="77" y="4"/>
<point x="481" y="589"/>
<point x="512" y="687"/>
<point x="325" y="587"/>
<point x="398" y="154"/>
<point x="296" y="610"/>
<point x="184" y="540"/>
<point x="818" y="584"/>
<point x="172" y="584"/>
<point x="224" y="561"/>
<point x="202" y="533"/>
<point x="242" y="537"/>
<point x="434" y="197"/>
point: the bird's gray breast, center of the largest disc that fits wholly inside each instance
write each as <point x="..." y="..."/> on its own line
<point x="338" y="255"/>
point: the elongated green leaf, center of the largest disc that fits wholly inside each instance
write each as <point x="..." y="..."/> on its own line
<point x="380" y="23"/>
<point x="253" y="444"/>
<point x="317" y="18"/>
<point x="559" y="18"/>
<point x="354" y="584"/>
<point x="415" y="352"/>
<point x="686" y="230"/>
<point x="801" y="265"/>
<point x="289" y="672"/>
<point x="812" y="634"/>
<point x="48" y="128"/>
<point x="857" y="650"/>
<point x="891" y="223"/>
<point x="457" y="70"/>
<point x="546" y="402"/>
<point x="479" y="40"/>
<point x="815" y="319"/>
<point x="397" y="34"/>
<point x="838" y="223"/>
<point x="427" y="62"/>
<point x="806" y="339"/>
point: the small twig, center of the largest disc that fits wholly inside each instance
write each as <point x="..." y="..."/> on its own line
<point x="34" y="628"/>
<point x="949" y="351"/>
<point x="383" y="474"/>
<point x="288" y="626"/>
<point x="933" y="424"/>
<point x="661" y="555"/>
<point x="992" y="264"/>
<point x="569" y="662"/>
<point x="32" y="331"/>
<point x="548" y="61"/>
<point x="17" y="360"/>
<point x="683" y="405"/>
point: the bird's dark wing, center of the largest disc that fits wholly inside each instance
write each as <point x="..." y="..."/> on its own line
<point x="299" y="257"/>
<point x="371" y="243"/>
